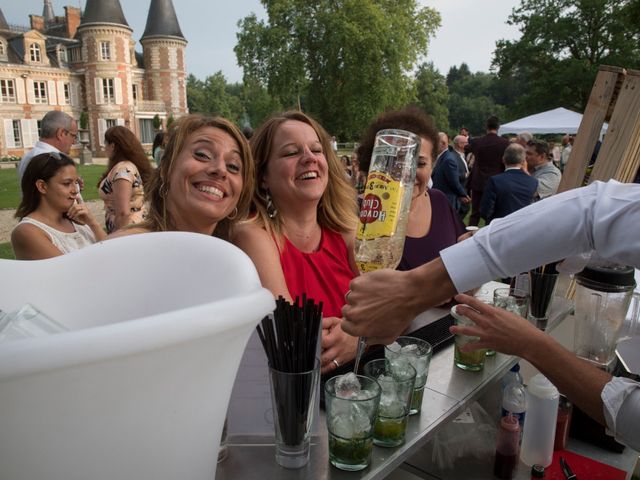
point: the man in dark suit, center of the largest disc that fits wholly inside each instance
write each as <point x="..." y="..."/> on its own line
<point x="446" y="176"/>
<point x="460" y="143"/>
<point x="488" y="151"/>
<point x="509" y="191"/>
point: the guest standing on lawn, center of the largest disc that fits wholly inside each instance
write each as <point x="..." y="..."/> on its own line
<point x="122" y="185"/>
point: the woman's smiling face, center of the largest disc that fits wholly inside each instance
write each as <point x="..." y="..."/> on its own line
<point x="297" y="169"/>
<point x="206" y="180"/>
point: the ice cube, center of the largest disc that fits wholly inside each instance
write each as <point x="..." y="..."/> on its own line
<point x="391" y="408"/>
<point x="342" y="426"/>
<point x="347" y="385"/>
<point x="395" y="347"/>
<point x="411" y="349"/>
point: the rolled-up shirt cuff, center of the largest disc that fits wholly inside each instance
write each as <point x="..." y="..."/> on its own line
<point x="465" y="264"/>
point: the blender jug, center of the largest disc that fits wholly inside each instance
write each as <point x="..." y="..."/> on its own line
<point x="603" y="294"/>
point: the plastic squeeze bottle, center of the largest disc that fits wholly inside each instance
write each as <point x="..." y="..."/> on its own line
<point x="540" y="428"/>
<point x="507" y="447"/>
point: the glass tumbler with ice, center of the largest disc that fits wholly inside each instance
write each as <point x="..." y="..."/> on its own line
<point x="351" y="405"/>
<point x="395" y="400"/>
<point x="417" y="353"/>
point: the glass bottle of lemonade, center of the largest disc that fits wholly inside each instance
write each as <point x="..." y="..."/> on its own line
<point x="387" y="197"/>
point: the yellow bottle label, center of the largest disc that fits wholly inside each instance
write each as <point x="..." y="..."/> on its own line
<point x="380" y="207"/>
<point x="365" y="267"/>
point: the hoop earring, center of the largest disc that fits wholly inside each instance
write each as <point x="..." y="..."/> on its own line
<point x="272" y="211"/>
<point x="234" y="214"/>
<point x="164" y="190"/>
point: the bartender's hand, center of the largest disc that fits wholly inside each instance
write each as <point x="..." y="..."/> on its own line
<point x="497" y="329"/>
<point x="381" y="305"/>
<point x="337" y="346"/>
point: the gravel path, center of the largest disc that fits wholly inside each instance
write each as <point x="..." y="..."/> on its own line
<point x="7" y="222"/>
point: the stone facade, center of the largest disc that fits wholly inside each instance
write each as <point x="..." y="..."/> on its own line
<point x="65" y="63"/>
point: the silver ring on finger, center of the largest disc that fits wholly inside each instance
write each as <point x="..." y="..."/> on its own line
<point x="335" y="362"/>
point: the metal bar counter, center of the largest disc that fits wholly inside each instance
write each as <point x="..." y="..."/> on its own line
<point x="448" y="391"/>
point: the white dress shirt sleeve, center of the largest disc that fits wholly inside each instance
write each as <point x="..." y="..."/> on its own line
<point x="621" y="399"/>
<point x="604" y="217"/>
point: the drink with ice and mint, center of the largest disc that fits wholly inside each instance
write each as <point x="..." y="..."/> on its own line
<point x="351" y="406"/>
<point x="417" y="353"/>
<point x="395" y="400"/>
<point x="472" y="360"/>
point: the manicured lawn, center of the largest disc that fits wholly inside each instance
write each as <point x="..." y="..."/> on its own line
<point x="10" y="190"/>
<point x="6" y="251"/>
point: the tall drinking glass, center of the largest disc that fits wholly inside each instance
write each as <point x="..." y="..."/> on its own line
<point x="395" y="401"/>
<point x="418" y="353"/>
<point x="473" y="360"/>
<point x="293" y="396"/>
<point x="542" y="285"/>
<point x="350" y="422"/>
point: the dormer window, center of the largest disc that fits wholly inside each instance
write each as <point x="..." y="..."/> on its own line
<point x="62" y="56"/>
<point x="3" y="50"/>
<point x="105" y="50"/>
<point x="35" y="53"/>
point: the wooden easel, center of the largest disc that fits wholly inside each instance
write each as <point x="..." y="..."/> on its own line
<point x="615" y="98"/>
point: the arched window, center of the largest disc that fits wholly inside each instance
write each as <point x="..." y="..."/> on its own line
<point x="34" y="51"/>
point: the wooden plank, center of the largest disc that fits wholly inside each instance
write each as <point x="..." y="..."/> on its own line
<point x="594" y="116"/>
<point x="619" y="155"/>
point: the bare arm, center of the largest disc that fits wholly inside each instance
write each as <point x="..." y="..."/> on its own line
<point x="32" y="243"/>
<point x="382" y="304"/>
<point x="122" y="202"/>
<point x="509" y="333"/>
<point x="261" y="248"/>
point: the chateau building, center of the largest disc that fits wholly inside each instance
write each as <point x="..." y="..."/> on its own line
<point x="86" y="62"/>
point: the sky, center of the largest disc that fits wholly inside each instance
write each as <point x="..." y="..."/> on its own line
<point x="468" y="32"/>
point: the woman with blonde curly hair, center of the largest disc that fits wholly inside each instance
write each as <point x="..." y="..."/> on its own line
<point x="204" y="182"/>
<point x="302" y="235"/>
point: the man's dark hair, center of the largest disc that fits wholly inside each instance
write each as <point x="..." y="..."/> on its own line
<point x="540" y="146"/>
<point x="493" y="123"/>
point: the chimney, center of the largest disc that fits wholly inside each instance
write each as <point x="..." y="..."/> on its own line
<point x="72" y="16"/>
<point x="37" y="22"/>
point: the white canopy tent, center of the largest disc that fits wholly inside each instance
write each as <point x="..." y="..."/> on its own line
<point x="558" y="120"/>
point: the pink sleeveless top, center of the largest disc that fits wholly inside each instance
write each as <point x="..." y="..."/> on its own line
<point x="323" y="275"/>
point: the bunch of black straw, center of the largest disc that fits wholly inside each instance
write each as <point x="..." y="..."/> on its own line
<point x="290" y="340"/>
<point x="542" y="280"/>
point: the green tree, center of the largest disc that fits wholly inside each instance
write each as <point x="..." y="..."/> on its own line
<point x="563" y="42"/>
<point x="343" y="61"/>
<point x="473" y="97"/>
<point x="432" y="94"/>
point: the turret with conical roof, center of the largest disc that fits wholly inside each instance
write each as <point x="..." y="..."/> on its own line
<point x="163" y="47"/>
<point x="108" y="60"/>
<point x="3" y="21"/>
<point x="162" y="21"/>
<point x="103" y="11"/>
<point x="47" y="12"/>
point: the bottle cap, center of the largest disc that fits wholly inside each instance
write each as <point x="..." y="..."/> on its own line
<point x="541" y="387"/>
<point x="537" y="471"/>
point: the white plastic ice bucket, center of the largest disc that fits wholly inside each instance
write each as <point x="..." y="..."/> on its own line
<point x="138" y="389"/>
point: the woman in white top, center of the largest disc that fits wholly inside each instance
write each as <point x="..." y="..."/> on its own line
<point x="53" y="220"/>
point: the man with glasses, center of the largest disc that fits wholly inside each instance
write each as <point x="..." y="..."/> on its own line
<point x="542" y="168"/>
<point x="58" y="132"/>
